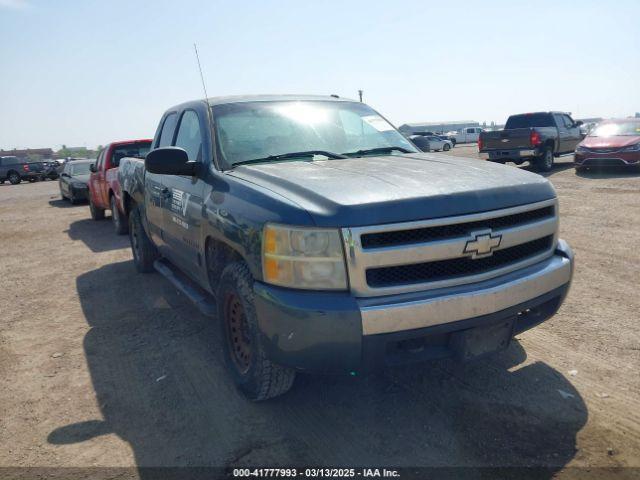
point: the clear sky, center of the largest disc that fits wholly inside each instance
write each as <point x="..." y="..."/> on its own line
<point x="86" y="72"/>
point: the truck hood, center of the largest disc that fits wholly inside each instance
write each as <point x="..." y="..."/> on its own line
<point x="396" y="188"/>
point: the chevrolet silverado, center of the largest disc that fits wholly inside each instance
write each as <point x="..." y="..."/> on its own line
<point x="534" y="137"/>
<point x="323" y="241"/>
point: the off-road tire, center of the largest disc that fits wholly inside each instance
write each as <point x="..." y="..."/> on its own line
<point x="144" y="251"/>
<point x="96" y="213"/>
<point x="14" y="178"/>
<point x="120" y="224"/>
<point x="544" y="162"/>
<point x="263" y="379"/>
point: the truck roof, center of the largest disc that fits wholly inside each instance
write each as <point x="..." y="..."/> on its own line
<point x="262" y="98"/>
<point x="538" y="113"/>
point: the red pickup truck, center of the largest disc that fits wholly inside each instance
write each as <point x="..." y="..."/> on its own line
<point x="104" y="188"/>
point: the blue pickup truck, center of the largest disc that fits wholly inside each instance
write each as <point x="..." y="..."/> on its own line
<point x="324" y="241"/>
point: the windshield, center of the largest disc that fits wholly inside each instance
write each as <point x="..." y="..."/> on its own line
<point x="258" y="130"/>
<point x="80" y="169"/>
<point x="626" y="129"/>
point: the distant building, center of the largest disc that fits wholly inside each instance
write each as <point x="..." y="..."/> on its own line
<point x="437" y="127"/>
<point x="28" y="152"/>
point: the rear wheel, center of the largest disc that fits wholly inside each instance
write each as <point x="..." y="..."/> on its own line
<point x="14" y="178"/>
<point x="96" y="213"/>
<point x="144" y="251"/>
<point x="254" y="374"/>
<point x="544" y="162"/>
<point x="119" y="221"/>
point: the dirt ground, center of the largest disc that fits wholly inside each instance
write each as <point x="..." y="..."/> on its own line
<point x="102" y="366"/>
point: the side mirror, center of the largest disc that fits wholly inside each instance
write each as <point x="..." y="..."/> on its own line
<point x="92" y="167"/>
<point x="578" y="123"/>
<point x="169" y="161"/>
<point x="64" y="174"/>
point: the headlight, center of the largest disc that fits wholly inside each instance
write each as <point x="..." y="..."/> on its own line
<point x="631" y="148"/>
<point x="298" y="257"/>
<point x="581" y="149"/>
<point x="78" y="185"/>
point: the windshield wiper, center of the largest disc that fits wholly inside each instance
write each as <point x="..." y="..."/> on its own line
<point x="306" y="153"/>
<point x="379" y="150"/>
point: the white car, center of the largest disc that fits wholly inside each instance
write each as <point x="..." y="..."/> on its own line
<point x="428" y="143"/>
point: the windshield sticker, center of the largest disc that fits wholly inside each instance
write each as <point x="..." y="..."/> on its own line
<point x="379" y="123"/>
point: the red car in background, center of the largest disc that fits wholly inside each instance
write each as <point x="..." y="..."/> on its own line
<point x="104" y="188"/>
<point x="613" y="143"/>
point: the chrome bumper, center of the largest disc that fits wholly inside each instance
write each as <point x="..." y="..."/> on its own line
<point x="506" y="154"/>
<point x="436" y="307"/>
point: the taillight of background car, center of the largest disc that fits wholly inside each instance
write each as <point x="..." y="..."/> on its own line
<point x="534" y="138"/>
<point x="25" y="167"/>
<point x="480" y="143"/>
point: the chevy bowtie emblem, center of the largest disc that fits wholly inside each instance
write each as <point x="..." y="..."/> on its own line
<point x="482" y="244"/>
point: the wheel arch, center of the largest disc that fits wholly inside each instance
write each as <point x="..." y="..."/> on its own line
<point x="218" y="254"/>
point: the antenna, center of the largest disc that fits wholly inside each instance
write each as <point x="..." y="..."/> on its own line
<point x="204" y="87"/>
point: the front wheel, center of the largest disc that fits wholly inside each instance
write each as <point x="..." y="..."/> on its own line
<point x="253" y="373"/>
<point x="144" y="251"/>
<point x="96" y="213"/>
<point x="545" y="161"/>
<point x="446" y="147"/>
<point x="119" y="221"/>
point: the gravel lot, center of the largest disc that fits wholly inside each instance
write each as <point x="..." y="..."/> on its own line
<point x="102" y="366"/>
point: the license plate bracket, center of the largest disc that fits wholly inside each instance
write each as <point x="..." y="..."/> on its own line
<point x="480" y="341"/>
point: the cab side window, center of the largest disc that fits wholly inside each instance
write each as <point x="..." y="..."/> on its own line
<point x="568" y="121"/>
<point x="168" y="127"/>
<point x="189" y="137"/>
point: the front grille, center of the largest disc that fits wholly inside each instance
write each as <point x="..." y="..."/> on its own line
<point x="426" y="234"/>
<point x="456" y="267"/>
<point x="601" y="150"/>
<point x="604" y="162"/>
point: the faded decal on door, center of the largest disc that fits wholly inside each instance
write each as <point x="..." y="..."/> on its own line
<point x="179" y="204"/>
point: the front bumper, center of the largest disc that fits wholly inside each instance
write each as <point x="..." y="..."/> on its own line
<point x="615" y="159"/>
<point x="336" y="332"/>
<point x="79" y="193"/>
<point x="509" y="154"/>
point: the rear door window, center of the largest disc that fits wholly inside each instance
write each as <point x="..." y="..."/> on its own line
<point x="189" y="137"/>
<point x="559" y="120"/>
<point x="168" y="127"/>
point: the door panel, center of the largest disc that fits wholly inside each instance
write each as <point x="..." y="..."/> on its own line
<point x="563" y="133"/>
<point x="155" y="193"/>
<point x="182" y="213"/>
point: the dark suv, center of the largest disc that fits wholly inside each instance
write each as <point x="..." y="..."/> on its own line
<point x="16" y="169"/>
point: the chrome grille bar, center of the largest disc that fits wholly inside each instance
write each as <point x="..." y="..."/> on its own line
<point x="359" y="260"/>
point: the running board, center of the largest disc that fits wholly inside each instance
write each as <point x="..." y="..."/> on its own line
<point x="201" y="299"/>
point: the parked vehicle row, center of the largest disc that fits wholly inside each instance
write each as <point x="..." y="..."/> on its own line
<point x="323" y="241"/>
